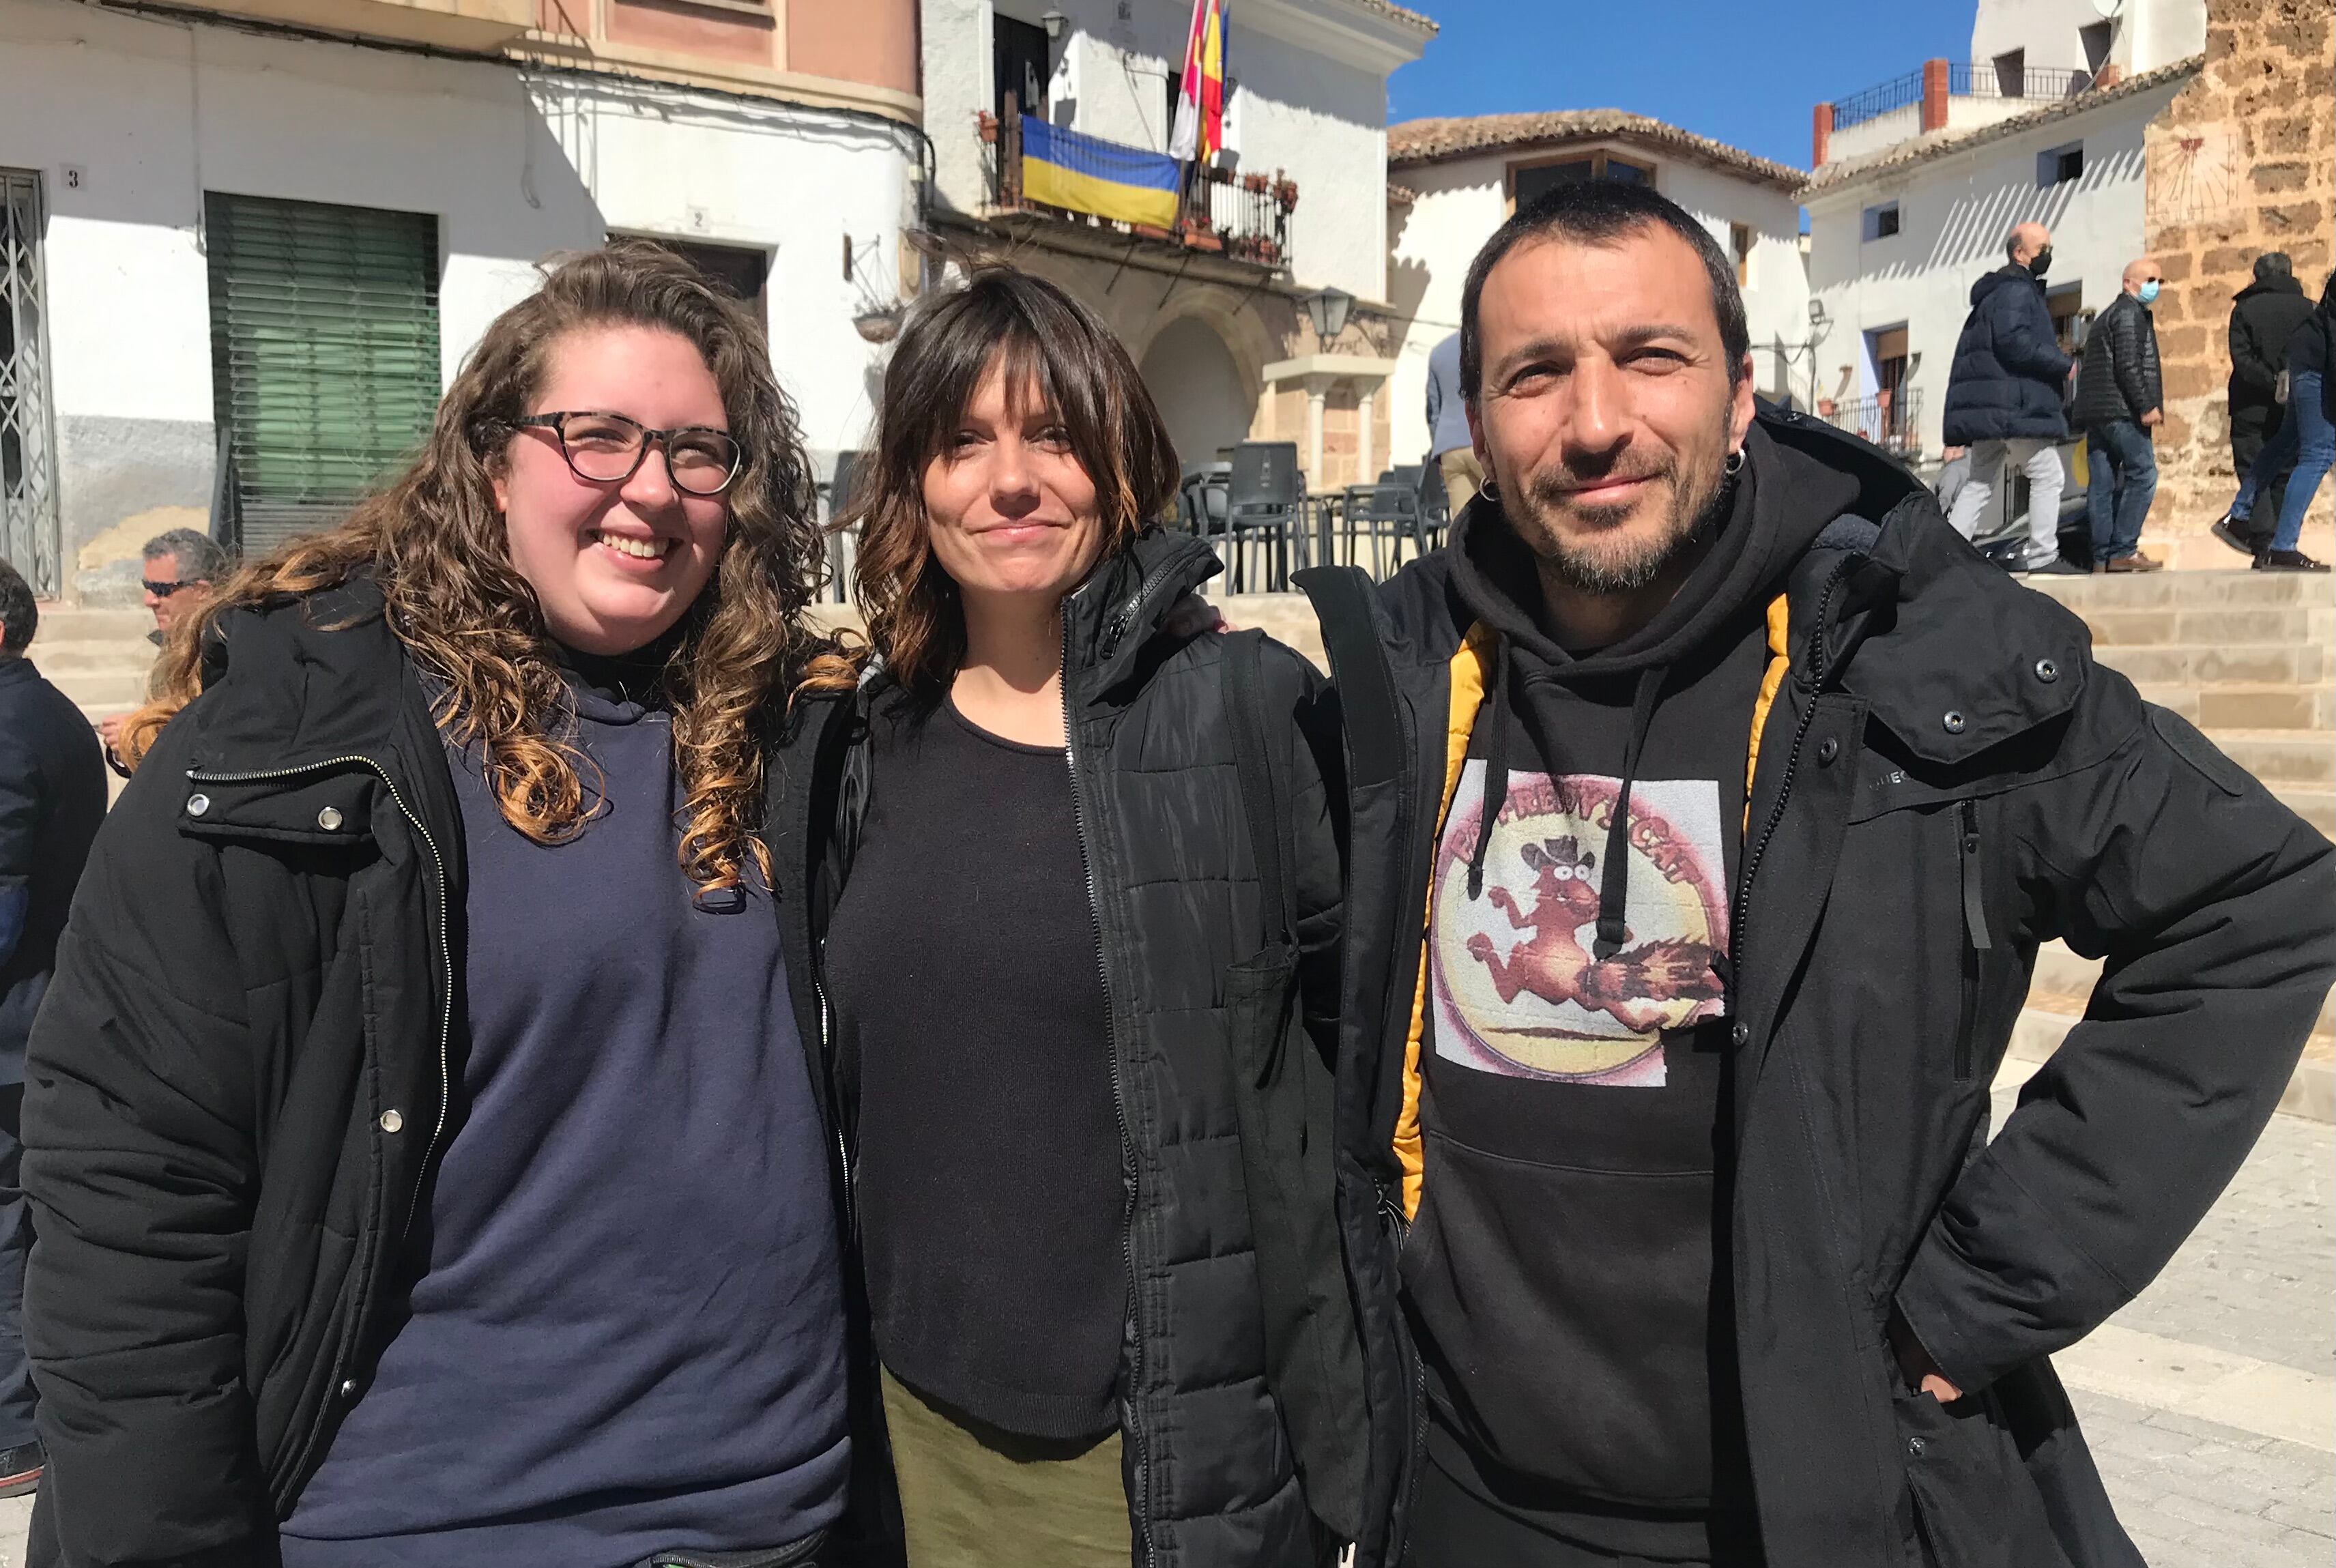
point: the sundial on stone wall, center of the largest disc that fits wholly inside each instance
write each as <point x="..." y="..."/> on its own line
<point x="2197" y="176"/>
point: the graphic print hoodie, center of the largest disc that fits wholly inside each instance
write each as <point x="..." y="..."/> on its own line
<point x="1567" y="1265"/>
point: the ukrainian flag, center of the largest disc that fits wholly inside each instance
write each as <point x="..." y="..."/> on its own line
<point x="1086" y="174"/>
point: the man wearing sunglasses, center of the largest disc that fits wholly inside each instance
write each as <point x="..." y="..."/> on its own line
<point x="181" y="567"/>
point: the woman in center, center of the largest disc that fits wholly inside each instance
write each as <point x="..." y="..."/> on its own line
<point x="1101" y="1260"/>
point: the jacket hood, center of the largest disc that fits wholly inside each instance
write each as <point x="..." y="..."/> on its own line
<point x="2007" y="274"/>
<point x="1773" y="509"/>
<point x="1123" y="605"/>
<point x="2270" y="285"/>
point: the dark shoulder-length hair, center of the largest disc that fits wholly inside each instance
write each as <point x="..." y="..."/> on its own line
<point x="1045" y="343"/>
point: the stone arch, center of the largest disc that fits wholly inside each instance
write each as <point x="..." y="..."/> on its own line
<point x="1203" y="398"/>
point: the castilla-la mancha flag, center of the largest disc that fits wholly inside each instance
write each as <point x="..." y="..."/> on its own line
<point x="1199" y="134"/>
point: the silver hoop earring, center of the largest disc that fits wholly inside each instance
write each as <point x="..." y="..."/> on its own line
<point x="1490" y="492"/>
<point x="1736" y="462"/>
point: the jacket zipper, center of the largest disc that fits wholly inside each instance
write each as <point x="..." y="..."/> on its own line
<point x="1141" y="1511"/>
<point x="447" y="990"/>
<point x="1821" y="667"/>
<point x="1975" y="942"/>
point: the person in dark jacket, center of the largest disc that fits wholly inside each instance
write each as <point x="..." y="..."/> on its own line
<point x="2306" y="438"/>
<point x="2120" y="401"/>
<point x="2262" y="315"/>
<point x="426" y="1157"/>
<point x="1082" y="963"/>
<point x="2004" y="393"/>
<point x="1699" y="858"/>
<point x="52" y="799"/>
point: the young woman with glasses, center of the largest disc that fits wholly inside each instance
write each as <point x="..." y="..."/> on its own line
<point x="427" y="1166"/>
<point x="1082" y="965"/>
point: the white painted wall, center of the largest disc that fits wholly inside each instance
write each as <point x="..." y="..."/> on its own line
<point x="2046" y="30"/>
<point x="1955" y="213"/>
<point x="1463" y="201"/>
<point x="152" y="114"/>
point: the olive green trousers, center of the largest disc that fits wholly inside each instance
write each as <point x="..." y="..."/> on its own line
<point x="973" y="1496"/>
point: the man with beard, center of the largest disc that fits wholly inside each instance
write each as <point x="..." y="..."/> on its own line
<point x="1709" y="798"/>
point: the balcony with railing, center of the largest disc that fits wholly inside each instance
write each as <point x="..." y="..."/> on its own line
<point x="1891" y="421"/>
<point x="1073" y="189"/>
<point x="1943" y="94"/>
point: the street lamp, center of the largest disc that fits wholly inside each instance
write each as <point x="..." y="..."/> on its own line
<point x="1818" y="322"/>
<point x="1054" y="22"/>
<point x="1326" y="310"/>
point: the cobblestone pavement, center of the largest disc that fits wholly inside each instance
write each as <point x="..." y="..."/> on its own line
<point x="2253" y="1283"/>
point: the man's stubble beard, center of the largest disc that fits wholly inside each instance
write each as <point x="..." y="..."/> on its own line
<point x="1697" y="506"/>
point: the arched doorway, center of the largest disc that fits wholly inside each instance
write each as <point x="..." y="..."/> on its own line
<point x="1202" y="397"/>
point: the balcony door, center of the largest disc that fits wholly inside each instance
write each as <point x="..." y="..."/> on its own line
<point x="1020" y="65"/>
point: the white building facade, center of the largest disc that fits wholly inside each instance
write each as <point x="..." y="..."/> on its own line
<point x="1461" y="179"/>
<point x="1900" y="231"/>
<point x="164" y="154"/>
<point x="1209" y="308"/>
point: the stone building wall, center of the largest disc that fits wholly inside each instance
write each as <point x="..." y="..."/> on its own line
<point x="2241" y="161"/>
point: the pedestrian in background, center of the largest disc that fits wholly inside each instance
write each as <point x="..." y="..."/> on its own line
<point x="2306" y="438"/>
<point x="2264" y="314"/>
<point x="1449" y="447"/>
<point x="427" y="1167"/>
<point x="1084" y="975"/>
<point x="2004" y="396"/>
<point x="2121" y="402"/>
<point x="182" y="569"/>
<point x="52" y="799"/>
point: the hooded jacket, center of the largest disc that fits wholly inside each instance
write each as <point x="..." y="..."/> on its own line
<point x="1241" y="1393"/>
<point x="52" y="799"/>
<point x="236" y="1091"/>
<point x="2008" y="372"/>
<point x="2120" y="379"/>
<point x="1942" y="778"/>
<point x="2263" y="315"/>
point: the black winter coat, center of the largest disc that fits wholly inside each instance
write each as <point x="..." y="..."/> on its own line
<point x="257" y="972"/>
<point x="2120" y="379"/>
<point x="2263" y="315"/>
<point x="1946" y="780"/>
<point x="52" y="799"/>
<point x="2007" y="372"/>
<point x="1241" y="1406"/>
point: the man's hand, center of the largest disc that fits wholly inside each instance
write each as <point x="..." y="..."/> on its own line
<point x="1914" y="1363"/>
<point x="2151" y="420"/>
<point x="109" y="729"/>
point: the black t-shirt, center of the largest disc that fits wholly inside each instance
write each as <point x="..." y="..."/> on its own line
<point x="963" y="970"/>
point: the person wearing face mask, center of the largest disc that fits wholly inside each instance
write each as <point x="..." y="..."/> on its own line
<point x="427" y="1166"/>
<point x="2121" y="402"/>
<point x="2004" y="396"/>
<point x="1080" y="944"/>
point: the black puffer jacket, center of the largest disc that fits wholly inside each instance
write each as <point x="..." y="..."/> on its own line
<point x="1928" y="805"/>
<point x="257" y="970"/>
<point x="2119" y="380"/>
<point x="2263" y="315"/>
<point x="52" y="799"/>
<point x="1242" y="1404"/>
<point x="2007" y="372"/>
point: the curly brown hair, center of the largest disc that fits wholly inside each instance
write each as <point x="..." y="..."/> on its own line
<point x="435" y="543"/>
<point x="1040" y="338"/>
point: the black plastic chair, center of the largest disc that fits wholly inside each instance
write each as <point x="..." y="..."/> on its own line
<point x="1265" y="510"/>
<point x="1387" y="513"/>
<point x="1201" y="500"/>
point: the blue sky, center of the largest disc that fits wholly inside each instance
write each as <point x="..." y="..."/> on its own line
<point x="1746" y="73"/>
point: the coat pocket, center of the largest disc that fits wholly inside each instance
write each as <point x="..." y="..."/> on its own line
<point x="1313" y="1352"/>
<point x="1975" y="1505"/>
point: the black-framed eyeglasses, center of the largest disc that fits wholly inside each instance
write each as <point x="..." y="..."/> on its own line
<point x="608" y="449"/>
<point x="162" y="590"/>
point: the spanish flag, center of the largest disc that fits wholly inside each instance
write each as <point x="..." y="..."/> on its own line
<point x="1086" y="174"/>
<point x="1200" y="131"/>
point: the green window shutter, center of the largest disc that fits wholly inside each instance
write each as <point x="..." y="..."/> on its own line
<point x="324" y="353"/>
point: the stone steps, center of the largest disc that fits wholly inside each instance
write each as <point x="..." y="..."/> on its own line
<point x="2246" y="705"/>
<point x="98" y="657"/>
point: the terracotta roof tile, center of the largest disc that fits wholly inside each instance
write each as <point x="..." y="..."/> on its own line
<point x="1940" y="143"/>
<point x="1417" y="142"/>
<point x="1411" y="19"/>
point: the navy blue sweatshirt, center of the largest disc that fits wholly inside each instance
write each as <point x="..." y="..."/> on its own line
<point x="625" y="1331"/>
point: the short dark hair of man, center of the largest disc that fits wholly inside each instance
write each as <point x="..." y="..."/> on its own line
<point x="19" y="616"/>
<point x="200" y="557"/>
<point x="2273" y="264"/>
<point x="1598" y="212"/>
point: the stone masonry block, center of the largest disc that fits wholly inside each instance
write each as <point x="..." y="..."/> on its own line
<point x="2272" y="178"/>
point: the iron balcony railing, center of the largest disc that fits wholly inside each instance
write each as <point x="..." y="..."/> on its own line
<point x="1891" y="420"/>
<point x="2037" y="84"/>
<point x="1243" y="216"/>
